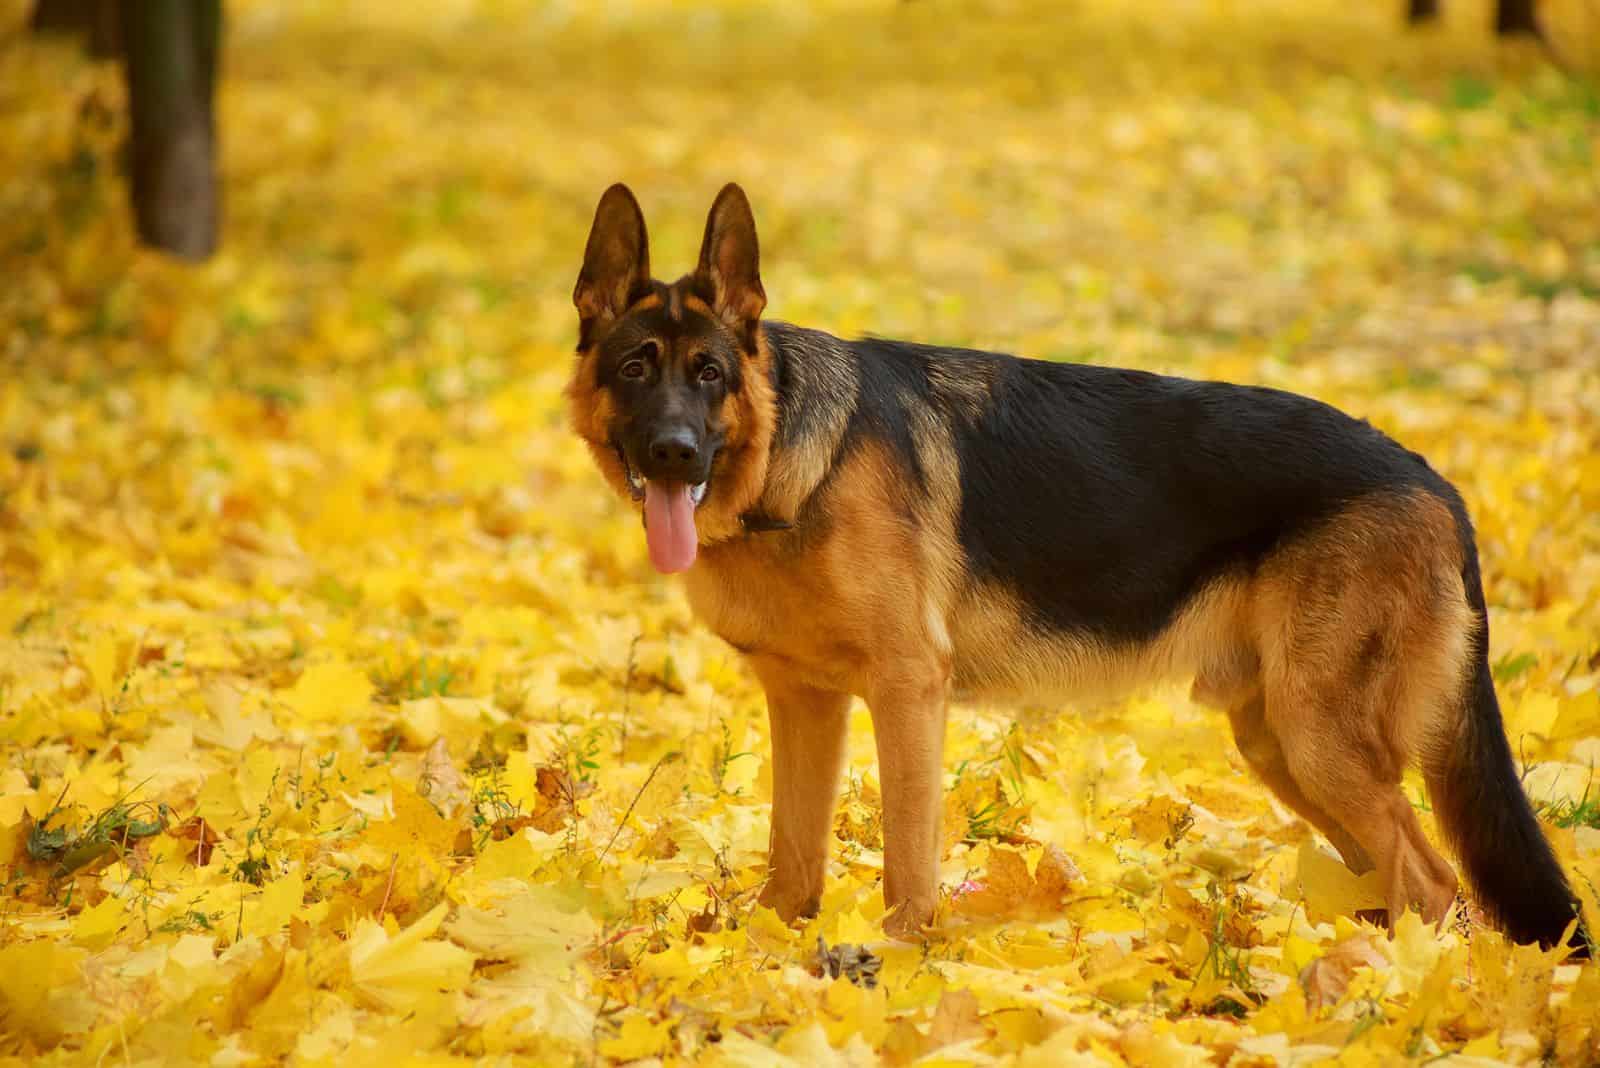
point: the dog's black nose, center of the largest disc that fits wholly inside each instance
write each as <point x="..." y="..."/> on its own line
<point x="675" y="455"/>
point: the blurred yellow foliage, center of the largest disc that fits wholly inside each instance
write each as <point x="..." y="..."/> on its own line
<point x="343" y="720"/>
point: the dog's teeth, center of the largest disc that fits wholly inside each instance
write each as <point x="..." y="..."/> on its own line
<point x="697" y="492"/>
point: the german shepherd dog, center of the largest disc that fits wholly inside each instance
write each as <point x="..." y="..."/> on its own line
<point x="910" y="524"/>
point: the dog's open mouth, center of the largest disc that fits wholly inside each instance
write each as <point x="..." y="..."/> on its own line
<point x="669" y="509"/>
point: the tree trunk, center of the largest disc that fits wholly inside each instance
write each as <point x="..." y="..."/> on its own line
<point x="170" y="48"/>
<point x="95" y="21"/>
<point x="1513" y="17"/>
<point x="1422" y="11"/>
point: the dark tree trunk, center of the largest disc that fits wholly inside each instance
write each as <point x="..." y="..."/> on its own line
<point x="1513" y="17"/>
<point x="171" y="51"/>
<point x="1422" y="11"/>
<point x="95" y="21"/>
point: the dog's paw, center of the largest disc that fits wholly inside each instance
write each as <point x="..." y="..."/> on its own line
<point x="909" y="921"/>
<point x="790" y="903"/>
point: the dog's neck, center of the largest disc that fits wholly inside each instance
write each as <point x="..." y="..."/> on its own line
<point x="813" y="387"/>
<point x="766" y="512"/>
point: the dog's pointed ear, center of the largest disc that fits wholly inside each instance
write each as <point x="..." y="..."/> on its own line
<point x="729" y="273"/>
<point x="616" y="262"/>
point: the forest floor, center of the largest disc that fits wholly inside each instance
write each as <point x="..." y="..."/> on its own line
<point x="343" y="720"/>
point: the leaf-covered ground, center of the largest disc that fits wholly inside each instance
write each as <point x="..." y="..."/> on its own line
<point x="343" y="720"/>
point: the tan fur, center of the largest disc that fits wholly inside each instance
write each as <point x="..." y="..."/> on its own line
<point x="1001" y="656"/>
<point x="590" y="411"/>
<point x="843" y="620"/>
<point x="1361" y="630"/>
<point x="797" y="472"/>
<point x="938" y="552"/>
<point x="965" y="388"/>
<point x="739" y="475"/>
<point x="830" y="615"/>
<point x="808" y="727"/>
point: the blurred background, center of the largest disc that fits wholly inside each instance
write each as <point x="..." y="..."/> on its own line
<point x="1057" y="177"/>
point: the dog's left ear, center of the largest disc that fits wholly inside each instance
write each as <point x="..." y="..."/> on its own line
<point x="729" y="272"/>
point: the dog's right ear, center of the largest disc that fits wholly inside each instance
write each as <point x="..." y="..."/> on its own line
<point x="616" y="262"/>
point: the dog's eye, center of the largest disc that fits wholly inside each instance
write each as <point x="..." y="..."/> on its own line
<point x="710" y="373"/>
<point x="635" y="366"/>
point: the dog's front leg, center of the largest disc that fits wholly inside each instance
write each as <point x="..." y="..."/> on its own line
<point x="908" y="714"/>
<point x="808" y="747"/>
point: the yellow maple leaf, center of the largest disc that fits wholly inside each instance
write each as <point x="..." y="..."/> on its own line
<point x="418" y="833"/>
<point x="1332" y="889"/>
<point x="102" y="658"/>
<point x="639" y="1037"/>
<point x="279" y="899"/>
<point x="397" y="972"/>
<point x="328" y="691"/>
<point x="39" y="998"/>
<point x="96" y="927"/>
<point x="542" y="925"/>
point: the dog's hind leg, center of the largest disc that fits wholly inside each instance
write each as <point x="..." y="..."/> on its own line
<point x="1359" y="628"/>
<point x="1363" y="795"/>
<point x="1261" y="751"/>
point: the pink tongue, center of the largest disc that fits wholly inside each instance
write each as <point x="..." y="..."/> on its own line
<point x="669" y="525"/>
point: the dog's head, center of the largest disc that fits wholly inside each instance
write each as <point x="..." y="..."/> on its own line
<point x="672" y="391"/>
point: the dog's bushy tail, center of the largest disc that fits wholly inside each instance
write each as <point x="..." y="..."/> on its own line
<point x="1484" y="812"/>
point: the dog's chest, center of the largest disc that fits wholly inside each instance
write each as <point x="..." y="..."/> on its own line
<point x="746" y="596"/>
<point x="765" y="606"/>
